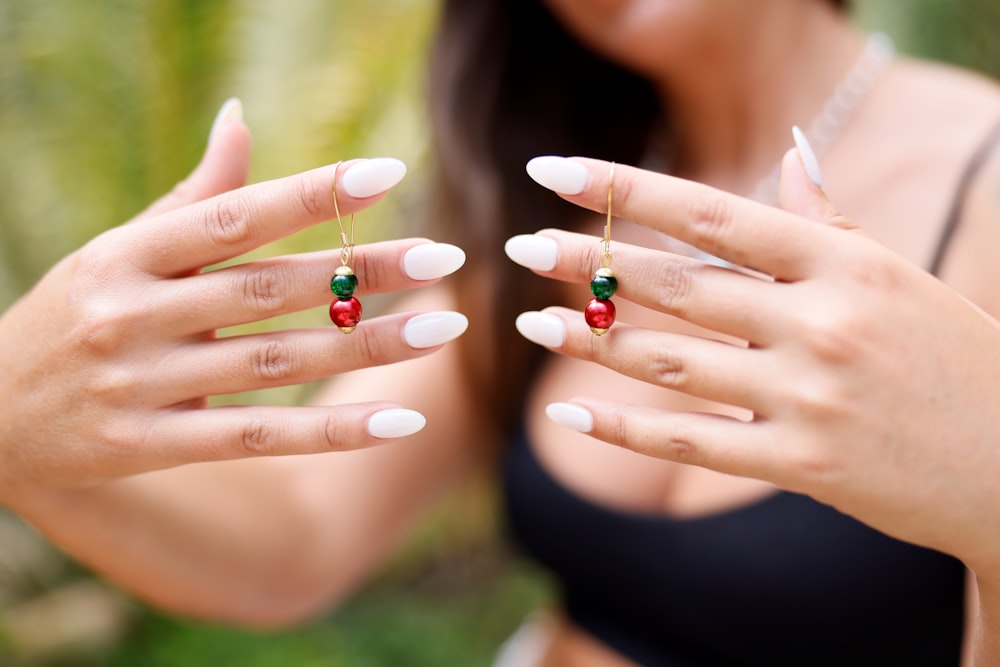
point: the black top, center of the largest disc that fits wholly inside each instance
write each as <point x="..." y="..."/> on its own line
<point x="783" y="581"/>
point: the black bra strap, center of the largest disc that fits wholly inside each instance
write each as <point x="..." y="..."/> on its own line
<point x="957" y="207"/>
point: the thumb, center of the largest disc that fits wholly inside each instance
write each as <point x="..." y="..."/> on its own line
<point x="801" y="188"/>
<point x="223" y="167"/>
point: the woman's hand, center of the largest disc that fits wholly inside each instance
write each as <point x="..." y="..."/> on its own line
<point x="107" y="362"/>
<point x="873" y="386"/>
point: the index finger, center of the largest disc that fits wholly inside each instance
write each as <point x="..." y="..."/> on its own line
<point x="236" y="222"/>
<point x="738" y="230"/>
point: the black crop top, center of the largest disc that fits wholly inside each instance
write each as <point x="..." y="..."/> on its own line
<point x="783" y="581"/>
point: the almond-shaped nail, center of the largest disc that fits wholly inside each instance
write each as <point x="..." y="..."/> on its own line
<point x="571" y="416"/>
<point x="541" y="328"/>
<point x="432" y="260"/>
<point x="532" y="251"/>
<point x="231" y="111"/>
<point x="808" y="156"/>
<point x="367" y="178"/>
<point x="558" y="174"/>
<point x="432" y="329"/>
<point x="395" y="423"/>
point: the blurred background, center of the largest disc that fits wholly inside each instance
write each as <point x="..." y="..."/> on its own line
<point x="104" y="105"/>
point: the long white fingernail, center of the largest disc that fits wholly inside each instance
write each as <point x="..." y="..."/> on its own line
<point x="370" y="177"/>
<point x="432" y="260"/>
<point x="231" y="111"/>
<point x="532" y="251"/>
<point x="808" y="155"/>
<point x="571" y="416"/>
<point x="541" y="328"/>
<point x="431" y="329"/>
<point x="395" y="423"/>
<point x="558" y="174"/>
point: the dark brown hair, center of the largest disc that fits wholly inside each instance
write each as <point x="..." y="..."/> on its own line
<point x="508" y="83"/>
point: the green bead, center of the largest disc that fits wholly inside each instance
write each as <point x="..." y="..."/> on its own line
<point x="604" y="284"/>
<point x="344" y="285"/>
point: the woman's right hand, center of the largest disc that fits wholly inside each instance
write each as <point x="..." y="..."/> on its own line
<point x="108" y="362"/>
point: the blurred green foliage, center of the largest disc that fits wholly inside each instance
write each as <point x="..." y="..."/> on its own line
<point x="105" y="104"/>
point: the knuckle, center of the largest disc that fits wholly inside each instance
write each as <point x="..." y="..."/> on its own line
<point x="228" y="222"/>
<point x="272" y="361"/>
<point x="258" y="436"/>
<point x="673" y="287"/>
<point x="588" y="260"/>
<point x="310" y="200"/>
<point x="102" y="327"/>
<point x="832" y="337"/>
<point x="677" y="447"/>
<point x="370" y="348"/>
<point x="264" y="290"/>
<point x="711" y="217"/>
<point x="668" y="370"/>
<point x="330" y="436"/>
<point x="113" y="385"/>
<point x="368" y="270"/>
<point x="123" y="438"/>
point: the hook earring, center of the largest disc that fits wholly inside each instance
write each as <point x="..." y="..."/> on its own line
<point x="345" y="310"/>
<point x="600" y="311"/>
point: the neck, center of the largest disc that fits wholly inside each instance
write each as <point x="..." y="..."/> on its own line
<point x="732" y="113"/>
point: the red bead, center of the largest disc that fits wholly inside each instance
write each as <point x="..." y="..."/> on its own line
<point x="345" y="313"/>
<point x="600" y="315"/>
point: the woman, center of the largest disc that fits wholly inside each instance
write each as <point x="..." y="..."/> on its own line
<point x="703" y="568"/>
<point x="803" y="586"/>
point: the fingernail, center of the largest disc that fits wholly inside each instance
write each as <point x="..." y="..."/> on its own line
<point x="395" y="423"/>
<point x="571" y="416"/>
<point x="432" y="260"/>
<point x="370" y="177"/>
<point x="558" y="174"/>
<point x="230" y="112"/>
<point x="532" y="251"/>
<point x="808" y="156"/>
<point x="431" y="329"/>
<point x="541" y="328"/>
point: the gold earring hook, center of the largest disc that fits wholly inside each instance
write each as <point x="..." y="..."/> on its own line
<point x="606" y="253"/>
<point x="347" y="249"/>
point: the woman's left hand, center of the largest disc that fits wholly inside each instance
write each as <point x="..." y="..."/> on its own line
<point x="873" y="386"/>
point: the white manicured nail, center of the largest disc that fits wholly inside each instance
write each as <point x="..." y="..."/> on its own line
<point x="808" y="156"/>
<point x="541" y="328"/>
<point x="432" y="260"/>
<point x="570" y="416"/>
<point x="532" y="251"/>
<point x="558" y="174"/>
<point x="431" y="329"/>
<point x="230" y="112"/>
<point x="395" y="423"/>
<point x="370" y="177"/>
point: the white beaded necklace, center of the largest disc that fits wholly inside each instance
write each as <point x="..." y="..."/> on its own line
<point x="838" y="109"/>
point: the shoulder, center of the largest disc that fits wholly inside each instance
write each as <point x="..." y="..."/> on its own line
<point x="958" y="112"/>
<point x="971" y="265"/>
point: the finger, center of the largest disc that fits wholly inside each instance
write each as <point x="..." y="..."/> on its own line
<point x="215" y="434"/>
<point x="259" y="290"/>
<point x="729" y="302"/>
<point x="718" y="442"/>
<point x="738" y="230"/>
<point x="236" y="222"/>
<point x="801" y="192"/>
<point x="223" y="167"/>
<point x="709" y="369"/>
<point x="244" y="363"/>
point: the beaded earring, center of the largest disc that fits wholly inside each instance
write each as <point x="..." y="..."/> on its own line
<point x="600" y="311"/>
<point x="345" y="309"/>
